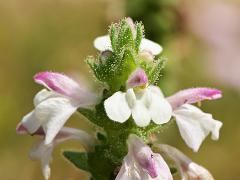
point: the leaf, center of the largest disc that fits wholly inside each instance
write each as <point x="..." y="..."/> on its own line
<point x="79" y="159"/>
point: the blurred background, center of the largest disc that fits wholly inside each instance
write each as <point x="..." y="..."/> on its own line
<point x="201" y="40"/>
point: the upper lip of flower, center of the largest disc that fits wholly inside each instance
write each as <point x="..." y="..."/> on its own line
<point x="193" y="95"/>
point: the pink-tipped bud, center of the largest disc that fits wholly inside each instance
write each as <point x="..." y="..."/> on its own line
<point x="193" y="95"/>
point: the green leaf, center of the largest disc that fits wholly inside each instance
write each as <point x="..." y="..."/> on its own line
<point x="79" y="159"/>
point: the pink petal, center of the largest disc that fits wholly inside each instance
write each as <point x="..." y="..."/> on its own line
<point x="137" y="78"/>
<point x="66" y="86"/>
<point x="193" y="95"/>
<point x="58" y="82"/>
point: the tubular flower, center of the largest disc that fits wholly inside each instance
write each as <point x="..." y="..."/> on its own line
<point x="141" y="101"/>
<point x="53" y="107"/>
<point x="194" y="125"/>
<point x="142" y="164"/>
<point x="43" y="152"/>
<point x="188" y="169"/>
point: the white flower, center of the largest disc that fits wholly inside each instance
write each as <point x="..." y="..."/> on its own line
<point x="43" y="152"/>
<point x="142" y="164"/>
<point x="54" y="107"/>
<point x="143" y="103"/>
<point x="188" y="169"/>
<point x="194" y="125"/>
<point x="103" y="43"/>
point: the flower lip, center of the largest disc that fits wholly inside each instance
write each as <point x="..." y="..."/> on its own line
<point x="146" y="159"/>
<point x="57" y="82"/>
<point x="21" y="129"/>
<point x="137" y="79"/>
<point x="193" y="95"/>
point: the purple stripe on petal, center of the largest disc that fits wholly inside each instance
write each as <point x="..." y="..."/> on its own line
<point x="193" y="95"/>
<point x="57" y="82"/>
<point x="137" y="78"/>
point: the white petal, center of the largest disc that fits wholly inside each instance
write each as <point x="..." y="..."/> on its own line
<point x="131" y="98"/>
<point x="198" y="172"/>
<point x="30" y="122"/>
<point x="164" y="171"/>
<point x="131" y="170"/>
<point x="67" y="133"/>
<point x="43" y="95"/>
<point x="150" y="46"/>
<point x="160" y="109"/>
<point x="141" y="114"/>
<point x="117" y="108"/>
<point x="156" y="90"/>
<point x="43" y="153"/>
<point x="102" y="43"/>
<point x="53" y="113"/>
<point x="194" y="125"/>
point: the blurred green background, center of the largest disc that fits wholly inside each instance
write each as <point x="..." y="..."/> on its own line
<point x="200" y="38"/>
